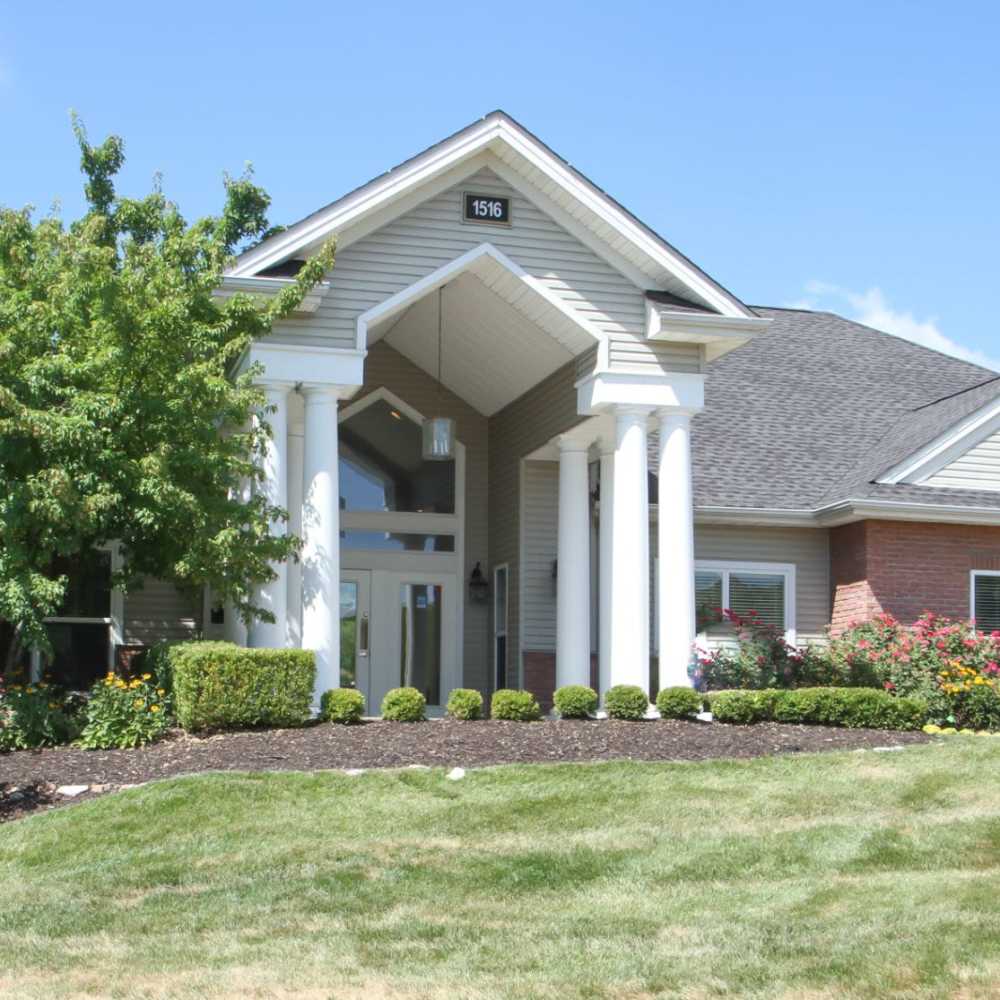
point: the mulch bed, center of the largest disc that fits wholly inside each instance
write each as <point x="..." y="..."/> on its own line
<point x="29" y="779"/>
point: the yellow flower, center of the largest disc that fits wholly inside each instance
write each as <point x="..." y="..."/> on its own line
<point x="138" y="703"/>
<point x="147" y="677"/>
<point x="161" y="691"/>
<point x="154" y="708"/>
<point x="134" y="684"/>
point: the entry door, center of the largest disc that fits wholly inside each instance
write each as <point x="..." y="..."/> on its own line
<point x="355" y="632"/>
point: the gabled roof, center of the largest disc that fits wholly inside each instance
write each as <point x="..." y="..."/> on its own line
<point x="536" y="167"/>
<point x="815" y="408"/>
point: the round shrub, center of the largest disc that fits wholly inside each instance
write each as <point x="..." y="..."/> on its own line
<point x="465" y="704"/>
<point x="743" y="707"/>
<point x="404" y="704"/>
<point x="514" y="706"/>
<point x="575" y="701"/>
<point x="678" y="703"/>
<point x="626" y="701"/>
<point x="343" y="705"/>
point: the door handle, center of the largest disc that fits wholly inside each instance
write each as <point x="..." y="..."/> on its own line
<point x="363" y="636"/>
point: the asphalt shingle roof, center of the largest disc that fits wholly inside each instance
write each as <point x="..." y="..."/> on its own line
<point x="811" y="411"/>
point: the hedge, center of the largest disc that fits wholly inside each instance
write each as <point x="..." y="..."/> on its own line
<point x="218" y="685"/>
<point x="678" y="703"/>
<point x="854" y="708"/>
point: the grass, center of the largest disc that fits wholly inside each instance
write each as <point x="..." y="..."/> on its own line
<point x="842" y="875"/>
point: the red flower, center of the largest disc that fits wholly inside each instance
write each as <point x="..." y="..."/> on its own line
<point x="889" y="686"/>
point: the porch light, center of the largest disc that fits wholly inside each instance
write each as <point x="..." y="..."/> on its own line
<point x="478" y="587"/>
<point x="439" y="432"/>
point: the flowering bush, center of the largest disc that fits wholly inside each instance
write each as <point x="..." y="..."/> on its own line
<point x="955" y="669"/>
<point x="125" y="713"/>
<point x="34" y="715"/>
<point x="758" y="657"/>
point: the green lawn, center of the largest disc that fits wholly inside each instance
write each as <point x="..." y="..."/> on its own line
<point x="843" y="875"/>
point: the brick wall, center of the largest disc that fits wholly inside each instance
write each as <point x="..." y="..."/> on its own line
<point x="906" y="567"/>
<point x="540" y="675"/>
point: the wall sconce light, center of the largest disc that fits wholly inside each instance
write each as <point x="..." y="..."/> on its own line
<point x="478" y="587"/>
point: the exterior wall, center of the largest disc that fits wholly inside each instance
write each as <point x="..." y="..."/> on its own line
<point x="403" y="251"/>
<point x="517" y="430"/>
<point x="386" y="367"/>
<point x="977" y="469"/>
<point x="539" y="529"/>
<point x="160" y="611"/>
<point x="905" y="568"/>
<point x="808" y="549"/>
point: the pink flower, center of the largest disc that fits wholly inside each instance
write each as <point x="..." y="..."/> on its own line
<point x="889" y="686"/>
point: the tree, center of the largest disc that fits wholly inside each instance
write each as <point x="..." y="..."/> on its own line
<point x="121" y="418"/>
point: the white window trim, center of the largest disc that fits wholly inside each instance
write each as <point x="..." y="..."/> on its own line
<point x="725" y="567"/>
<point x="972" y="588"/>
<point x="500" y="630"/>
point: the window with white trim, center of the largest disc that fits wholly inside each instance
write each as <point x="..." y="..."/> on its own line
<point x="765" y="591"/>
<point x="985" y="600"/>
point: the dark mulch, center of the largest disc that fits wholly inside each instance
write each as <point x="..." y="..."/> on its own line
<point x="31" y="776"/>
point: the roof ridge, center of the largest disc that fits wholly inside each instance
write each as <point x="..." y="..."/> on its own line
<point x="953" y="395"/>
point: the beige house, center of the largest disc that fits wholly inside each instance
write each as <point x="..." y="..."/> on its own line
<point x="526" y="442"/>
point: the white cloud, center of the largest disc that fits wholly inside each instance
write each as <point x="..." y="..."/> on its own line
<point x="873" y="309"/>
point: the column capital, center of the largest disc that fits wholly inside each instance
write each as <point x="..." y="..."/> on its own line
<point x="571" y="443"/>
<point x="275" y="385"/>
<point x="317" y="392"/>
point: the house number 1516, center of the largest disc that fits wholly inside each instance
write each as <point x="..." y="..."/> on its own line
<point x="483" y="208"/>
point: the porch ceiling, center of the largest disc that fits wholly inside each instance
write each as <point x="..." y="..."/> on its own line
<point x="499" y="338"/>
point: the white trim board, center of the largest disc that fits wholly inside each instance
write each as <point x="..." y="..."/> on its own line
<point x="945" y="448"/>
<point x="510" y="142"/>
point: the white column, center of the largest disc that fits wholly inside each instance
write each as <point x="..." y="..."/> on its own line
<point x="675" y="530"/>
<point x="321" y="537"/>
<point x="630" y="552"/>
<point x="273" y="595"/>
<point x="573" y="568"/>
<point x="296" y="444"/>
<point x="604" y="562"/>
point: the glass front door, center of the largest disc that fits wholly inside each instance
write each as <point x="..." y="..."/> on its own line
<point x="398" y="630"/>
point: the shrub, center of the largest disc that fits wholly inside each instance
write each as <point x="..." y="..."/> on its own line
<point x="855" y="708"/>
<point x="742" y="707"/>
<point x="678" y="703"/>
<point x="218" y="685"/>
<point x="343" y="705"/>
<point x="465" y="704"/>
<point x="34" y="715"/>
<point x="575" y="701"/>
<point x="125" y="713"/>
<point x="156" y="661"/>
<point x="514" y="706"/>
<point x="979" y="708"/>
<point x="405" y="704"/>
<point x="626" y="701"/>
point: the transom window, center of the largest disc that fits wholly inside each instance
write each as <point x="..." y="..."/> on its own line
<point x="765" y="591"/>
<point x="382" y="466"/>
<point x="985" y="600"/>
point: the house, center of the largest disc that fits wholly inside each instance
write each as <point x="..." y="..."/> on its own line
<point x="633" y="447"/>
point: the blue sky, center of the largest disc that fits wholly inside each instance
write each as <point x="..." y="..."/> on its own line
<point x="842" y="156"/>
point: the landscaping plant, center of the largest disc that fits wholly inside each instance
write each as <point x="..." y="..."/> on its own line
<point x="514" y="706"/>
<point x="404" y="704"/>
<point x="34" y="715"/>
<point x="678" y="703"/>
<point x="575" y="701"/>
<point x="343" y="705"/>
<point x="465" y="704"/>
<point x="218" y="685"/>
<point x="124" y="713"/>
<point x="626" y="701"/>
<point x="854" y="708"/>
<point x="122" y="418"/>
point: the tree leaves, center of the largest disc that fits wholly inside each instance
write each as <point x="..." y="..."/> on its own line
<point x="120" y="416"/>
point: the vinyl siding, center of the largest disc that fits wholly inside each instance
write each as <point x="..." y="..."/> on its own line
<point x="160" y="611"/>
<point x="540" y="524"/>
<point x="386" y="367"/>
<point x="403" y="251"/>
<point x="516" y="431"/>
<point x="977" y="469"/>
<point x="653" y="357"/>
<point x="807" y="548"/>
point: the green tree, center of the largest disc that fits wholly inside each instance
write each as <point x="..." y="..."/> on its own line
<point x="121" y="416"/>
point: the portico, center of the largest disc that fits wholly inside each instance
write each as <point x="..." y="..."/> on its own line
<point x="560" y="336"/>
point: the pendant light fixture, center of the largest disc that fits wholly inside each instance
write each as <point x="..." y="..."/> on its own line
<point x="439" y="432"/>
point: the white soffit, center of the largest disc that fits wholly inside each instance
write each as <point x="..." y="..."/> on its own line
<point x="492" y="351"/>
<point x="546" y="173"/>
